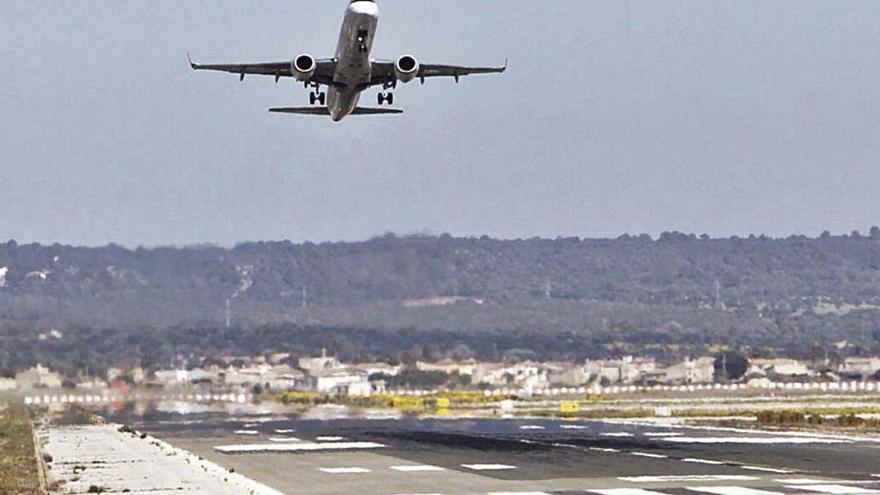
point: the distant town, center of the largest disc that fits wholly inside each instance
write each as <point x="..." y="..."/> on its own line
<point x="327" y="375"/>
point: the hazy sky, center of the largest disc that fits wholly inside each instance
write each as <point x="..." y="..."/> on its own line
<point x="615" y="117"/>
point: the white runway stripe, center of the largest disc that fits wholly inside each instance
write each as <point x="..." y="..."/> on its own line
<point x="660" y="434"/>
<point x="702" y="461"/>
<point x="599" y="449"/>
<point x="652" y="456"/>
<point x="330" y="439"/>
<point x="801" y="481"/>
<point x="345" y="470"/>
<point x="619" y="434"/>
<point x="837" y="489"/>
<point x="296" y="447"/>
<point x="731" y="490"/>
<point x="284" y="432"/>
<point x="417" y="469"/>
<point x="246" y="432"/>
<point x="686" y="478"/>
<point x="625" y="491"/>
<point x="768" y="470"/>
<point x="488" y="467"/>
<point x="531" y="427"/>
<point x="284" y="439"/>
<point x="518" y="493"/>
<point x="573" y="427"/>
<point x="755" y="440"/>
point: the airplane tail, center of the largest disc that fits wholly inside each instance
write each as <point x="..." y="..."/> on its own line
<point x="323" y="111"/>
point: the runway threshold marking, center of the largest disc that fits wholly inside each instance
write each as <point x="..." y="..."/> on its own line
<point x="652" y="456"/>
<point x="837" y="489"/>
<point x="731" y="490"/>
<point x="488" y="467"/>
<point x="345" y="470"/>
<point x="617" y="434"/>
<point x="686" y="478"/>
<point x="417" y="469"/>
<point x="600" y="449"/>
<point x="626" y="491"/>
<point x="809" y="481"/>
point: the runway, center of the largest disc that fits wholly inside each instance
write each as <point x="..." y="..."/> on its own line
<point x="489" y="456"/>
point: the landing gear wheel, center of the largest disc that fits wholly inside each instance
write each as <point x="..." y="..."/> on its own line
<point x="318" y="98"/>
<point x="386" y="98"/>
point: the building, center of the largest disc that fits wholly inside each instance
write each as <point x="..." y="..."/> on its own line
<point x="342" y="382"/>
<point x="38" y="377"/>
<point x="701" y="370"/>
<point x="7" y="384"/>
<point x="450" y="366"/>
<point x="525" y="375"/>
<point x="866" y="367"/>
<point x="318" y="364"/>
<point x="627" y="370"/>
<point x="567" y="374"/>
<point x="778" y="368"/>
<point x="379" y="368"/>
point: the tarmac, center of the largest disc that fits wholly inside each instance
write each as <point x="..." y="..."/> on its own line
<point x="527" y="457"/>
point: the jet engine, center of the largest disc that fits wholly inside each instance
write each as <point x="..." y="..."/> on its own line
<point x="303" y="67"/>
<point x="406" y="68"/>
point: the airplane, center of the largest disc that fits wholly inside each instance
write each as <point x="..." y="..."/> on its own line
<point x="351" y="71"/>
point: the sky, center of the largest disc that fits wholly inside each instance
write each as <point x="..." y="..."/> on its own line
<point x="726" y="118"/>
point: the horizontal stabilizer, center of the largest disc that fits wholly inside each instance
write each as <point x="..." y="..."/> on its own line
<point x="325" y="112"/>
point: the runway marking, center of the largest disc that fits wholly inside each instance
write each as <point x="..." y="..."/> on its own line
<point x="731" y="490"/>
<point x="531" y="427"/>
<point x="804" y="481"/>
<point x="345" y="470"/>
<point x="686" y="478"/>
<point x="625" y="491"/>
<point x="246" y="432"/>
<point x="284" y="432"/>
<point x="284" y="439"/>
<point x="756" y="440"/>
<point x="329" y="439"/>
<point x="518" y="493"/>
<point x="837" y="489"/>
<point x="661" y="434"/>
<point x="620" y="434"/>
<point x="297" y="447"/>
<point x="703" y="461"/>
<point x="768" y="469"/>
<point x="417" y="469"/>
<point x="573" y="427"/>
<point x="599" y="449"/>
<point x="488" y="467"/>
<point x="652" y="456"/>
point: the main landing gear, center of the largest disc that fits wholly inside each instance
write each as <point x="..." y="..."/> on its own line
<point x="386" y="98"/>
<point x="317" y="97"/>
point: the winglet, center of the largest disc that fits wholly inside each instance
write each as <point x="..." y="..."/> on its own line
<point x="504" y="67"/>
<point x="190" y="60"/>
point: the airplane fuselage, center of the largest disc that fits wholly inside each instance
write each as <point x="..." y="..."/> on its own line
<point x="353" y="70"/>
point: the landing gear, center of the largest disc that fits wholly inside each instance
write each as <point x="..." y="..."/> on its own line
<point x="386" y="98"/>
<point x="318" y="97"/>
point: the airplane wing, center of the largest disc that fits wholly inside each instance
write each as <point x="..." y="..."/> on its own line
<point x="383" y="71"/>
<point x="323" y="73"/>
<point x="323" y="111"/>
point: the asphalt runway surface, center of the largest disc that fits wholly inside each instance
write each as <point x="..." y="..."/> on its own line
<point x="526" y="457"/>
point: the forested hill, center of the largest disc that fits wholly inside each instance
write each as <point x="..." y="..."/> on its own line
<point x="636" y="284"/>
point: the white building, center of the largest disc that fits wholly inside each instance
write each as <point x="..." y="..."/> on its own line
<point x="379" y="368"/>
<point x="38" y="377"/>
<point x="858" y="365"/>
<point x="627" y="370"/>
<point x="450" y="366"/>
<point x="7" y="384"/>
<point x="782" y="368"/>
<point x="342" y="382"/>
<point x="701" y="370"/>
<point x="526" y="375"/>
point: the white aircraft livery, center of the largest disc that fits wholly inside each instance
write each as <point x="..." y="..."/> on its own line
<point x="351" y="71"/>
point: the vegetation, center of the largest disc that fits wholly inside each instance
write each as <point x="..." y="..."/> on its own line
<point x="567" y="298"/>
<point x="18" y="464"/>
